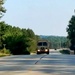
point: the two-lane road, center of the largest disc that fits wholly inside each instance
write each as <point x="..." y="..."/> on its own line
<point x="53" y="64"/>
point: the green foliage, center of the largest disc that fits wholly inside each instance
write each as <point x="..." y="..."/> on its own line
<point x="56" y="41"/>
<point x="5" y="51"/>
<point x="18" y="41"/>
<point x="33" y="45"/>
<point x="2" y="9"/>
<point x="65" y="51"/>
<point x="71" y="32"/>
<point x="71" y="28"/>
<point x="2" y="31"/>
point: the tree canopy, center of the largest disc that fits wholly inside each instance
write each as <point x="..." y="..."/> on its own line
<point x="71" y="32"/>
<point x="2" y="9"/>
<point x="17" y="40"/>
<point x="56" y="41"/>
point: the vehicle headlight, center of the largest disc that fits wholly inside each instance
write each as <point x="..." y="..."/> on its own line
<point x="38" y="50"/>
<point x="46" y="50"/>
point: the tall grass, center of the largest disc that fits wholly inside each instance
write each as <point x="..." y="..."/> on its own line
<point x="4" y="52"/>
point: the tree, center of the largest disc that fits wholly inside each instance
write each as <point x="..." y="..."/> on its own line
<point x="31" y="34"/>
<point x="2" y="31"/>
<point x="32" y="40"/>
<point x="71" y="32"/>
<point x="17" y="40"/>
<point x="2" y="9"/>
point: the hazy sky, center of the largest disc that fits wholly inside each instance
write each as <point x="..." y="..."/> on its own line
<point x="44" y="17"/>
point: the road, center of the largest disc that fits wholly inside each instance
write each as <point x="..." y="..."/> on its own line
<point x="53" y="64"/>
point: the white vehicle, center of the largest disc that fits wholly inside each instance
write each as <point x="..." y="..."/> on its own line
<point x="42" y="47"/>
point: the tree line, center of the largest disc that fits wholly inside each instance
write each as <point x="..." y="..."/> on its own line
<point x="56" y="41"/>
<point x="17" y="40"/>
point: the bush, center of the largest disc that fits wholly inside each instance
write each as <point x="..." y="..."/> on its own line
<point x="65" y="51"/>
<point x="5" y="51"/>
<point x="27" y="52"/>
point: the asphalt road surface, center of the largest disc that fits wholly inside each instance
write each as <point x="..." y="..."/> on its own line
<point x="53" y="64"/>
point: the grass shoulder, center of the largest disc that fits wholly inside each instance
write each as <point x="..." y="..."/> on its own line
<point x="4" y="52"/>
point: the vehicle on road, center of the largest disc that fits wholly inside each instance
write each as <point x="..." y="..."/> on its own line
<point x="42" y="47"/>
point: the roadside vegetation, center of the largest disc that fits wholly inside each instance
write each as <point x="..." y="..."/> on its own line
<point x="71" y="33"/>
<point x="65" y="51"/>
<point x="14" y="40"/>
<point x="4" y="52"/>
<point x="56" y="42"/>
<point x="17" y="40"/>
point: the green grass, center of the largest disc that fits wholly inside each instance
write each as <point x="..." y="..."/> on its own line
<point x="3" y="54"/>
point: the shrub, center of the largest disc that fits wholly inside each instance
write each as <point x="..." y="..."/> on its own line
<point x="65" y="51"/>
<point x="5" y="51"/>
<point x="27" y="52"/>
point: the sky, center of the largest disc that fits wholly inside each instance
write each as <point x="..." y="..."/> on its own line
<point x="44" y="17"/>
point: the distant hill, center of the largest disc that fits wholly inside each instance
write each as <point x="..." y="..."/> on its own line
<point x="56" y="41"/>
<point x="45" y="36"/>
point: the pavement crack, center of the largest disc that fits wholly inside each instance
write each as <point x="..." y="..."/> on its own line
<point x="40" y="59"/>
<point x="36" y="62"/>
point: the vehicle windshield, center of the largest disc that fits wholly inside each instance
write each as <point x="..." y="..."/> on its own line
<point x="39" y="44"/>
<point x="42" y="44"/>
